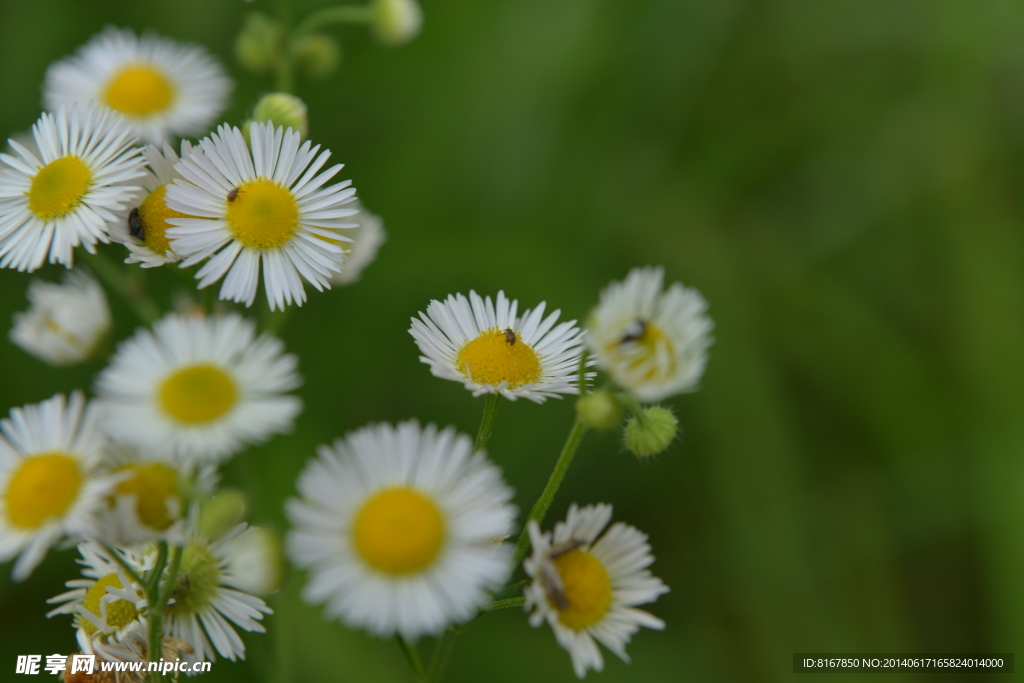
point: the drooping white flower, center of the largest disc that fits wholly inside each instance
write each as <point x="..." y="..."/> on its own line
<point x="65" y="323"/>
<point x="360" y="253"/>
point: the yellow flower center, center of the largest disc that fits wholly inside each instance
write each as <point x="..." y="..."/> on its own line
<point x="120" y="613"/>
<point x="491" y="359"/>
<point x="139" y="90"/>
<point x="153" y="214"/>
<point x="263" y="215"/>
<point x="198" y="394"/>
<point x="398" y="531"/>
<point x="58" y="187"/>
<point x="651" y="355"/>
<point x="44" y="486"/>
<point x="153" y="484"/>
<point x="587" y="589"/>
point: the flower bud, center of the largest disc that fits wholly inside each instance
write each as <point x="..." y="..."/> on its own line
<point x="281" y="109"/>
<point x="255" y="561"/>
<point x="318" y="55"/>
<point x="258" y="44"/>
<point x="221" y="512"/>
<point x="599" y="410"/>
<point x="650" y="431"/>
<point x="396" y="22"/>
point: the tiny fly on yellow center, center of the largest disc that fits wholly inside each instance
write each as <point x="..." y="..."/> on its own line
<point x="153" y="215"/>
<point x="586" y="587"/>
<point x="263" y="214"/>
<point x="499" y="355"/>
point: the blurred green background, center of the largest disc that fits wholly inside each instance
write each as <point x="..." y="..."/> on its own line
<point x="841" y="179"/>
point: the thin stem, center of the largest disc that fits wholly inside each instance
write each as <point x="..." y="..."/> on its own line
<point x="127" y="285"/>
<point x="442" y="654"/>
<point x="483" y="435"/>
<point x="342" y="14"/>
<point x="412" y="655"/>
<point x="158" y="605"/>
<point x="504" y="604"/>
<point x="540" y="508"/>
<point x="153" y="580"/>
<point x="132" y="574"/>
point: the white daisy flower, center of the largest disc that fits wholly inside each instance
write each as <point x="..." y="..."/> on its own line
<point x="198" y="388"/>
<point x="65" y="323"/>
<point x="400" y="528"/>
<point x="49" y="454"/>
<point x="588" y="588"/>
<point x="492" y="351"/>
<point x="366" y="240"/>
<point x="107" y="605"/>
<point x="145" y="231"/>
<point x="205" y="600"/>
<point x="80" y="183"/>
<point x="653" y="344"/>
<point x="165" y="89"/>
<point x="268" y="206"/>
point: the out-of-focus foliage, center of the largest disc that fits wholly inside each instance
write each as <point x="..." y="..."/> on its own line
<point x="843" y="181"/>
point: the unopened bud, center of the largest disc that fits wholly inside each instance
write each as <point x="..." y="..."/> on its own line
<point x="318" y="55"/>
<point x="599" y="410"/>
<point x="650" y="431"/>
<point x="396" y="21"/>
<point x="281" y="109"/>
<point x="259" y="43"/>
<point x="255" y="561"/>
<point x="221" y="512"/>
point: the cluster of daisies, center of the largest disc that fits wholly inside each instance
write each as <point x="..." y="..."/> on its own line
<point x="236" y="203"/>
<point x="123" y="475"/>
<point x="402" y="528"/>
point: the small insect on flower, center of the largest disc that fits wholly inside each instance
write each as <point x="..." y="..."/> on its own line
<point x="552" y="580"/>
<point x="135" y="225"/>
<point x="634" y="332"/>
<point x="510" y="336"/>
<point x="233" y="195"/>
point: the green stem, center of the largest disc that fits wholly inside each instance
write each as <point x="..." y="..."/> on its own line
<point x="158" y="605"/>
<point x="128" y="286"/>
<point x="153" y="580"/>
<point x="342" y="14"/>
<point x="540" y="508"/>
<point x="412" y="655"/>
<point x="442" y="654"/>
<point x="483" y="435"/>
<point x="504" y="604"/>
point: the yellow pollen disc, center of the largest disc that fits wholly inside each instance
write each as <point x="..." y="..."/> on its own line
<point x="139" y="90"/>
<point x="154" y="484"/>
<point x="588" y="590"/>
<point x="198" y="394"/>
<point x="490" y="359"/>
<point x="120" y="613"/>
<point x="652" y="353"/>
<point x="153" y="214"/>
<point x="263" y="215"/>
<point x="42" y="487"/>
<point x="398" y="531"/>
<point x="58" y="187"/>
